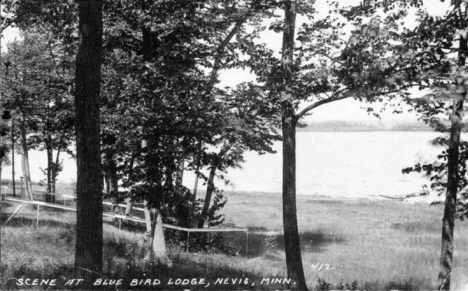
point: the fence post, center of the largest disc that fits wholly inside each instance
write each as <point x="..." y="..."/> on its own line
<point x="129" y="206"/>
<point x="37" y="217"/>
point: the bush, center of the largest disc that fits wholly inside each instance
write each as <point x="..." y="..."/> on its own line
<point x="323" y="285"/>
<point x="353" y="286"/>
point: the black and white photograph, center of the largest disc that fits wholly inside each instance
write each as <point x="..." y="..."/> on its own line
<point x="233" y="145"/>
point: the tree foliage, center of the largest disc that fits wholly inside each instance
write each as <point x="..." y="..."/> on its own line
<point x="37" y="85"/>
<point x="439" y="49"/>
<point x="323" y="64"/>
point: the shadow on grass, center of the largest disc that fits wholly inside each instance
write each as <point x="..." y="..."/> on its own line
<point x="128" y="225"/>
<point x="256" y="244"/>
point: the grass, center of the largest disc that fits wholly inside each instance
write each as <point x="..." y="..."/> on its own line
<point x="380" y="244"/>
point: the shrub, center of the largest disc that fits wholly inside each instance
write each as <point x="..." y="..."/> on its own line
<point x="353" y="286"/>
<point x="322" y="285"/>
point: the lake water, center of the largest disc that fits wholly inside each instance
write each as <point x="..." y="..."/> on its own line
<point x="336" y="164"/>
<point x="342" y="164"/>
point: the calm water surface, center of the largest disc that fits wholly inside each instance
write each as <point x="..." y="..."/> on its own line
<point x="350" y="164"/>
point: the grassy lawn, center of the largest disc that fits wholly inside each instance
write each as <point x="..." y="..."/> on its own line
<point x="380" y="244"/>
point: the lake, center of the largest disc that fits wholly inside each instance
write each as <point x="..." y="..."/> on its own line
<point x="344" y="164"/>
<point x="336" y="164"/>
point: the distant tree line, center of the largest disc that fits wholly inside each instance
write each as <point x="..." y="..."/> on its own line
<point x="343" y="125"/>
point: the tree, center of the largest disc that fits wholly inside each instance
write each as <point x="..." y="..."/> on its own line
<point x="249" y="123"/>
<point x="37" y="86"/>
<point x="160" y="87"/>
<point x="89" y="229"/>
<point x="288" y="125"/>
<point x="441" y="46"/>
<point x="324" y="68"/>
<point x="5" y="22"/>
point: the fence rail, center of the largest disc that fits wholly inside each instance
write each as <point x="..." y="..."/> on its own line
<point x="123" y="217"/>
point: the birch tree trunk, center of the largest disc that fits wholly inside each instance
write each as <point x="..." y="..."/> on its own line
<point x="453" y="159"/>
<point x="155" y="230"/>
<point x="25" y="161"/>
<point x="158" y="242"/>
<point x="448" y="221"/>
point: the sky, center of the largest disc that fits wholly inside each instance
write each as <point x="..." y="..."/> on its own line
<point x="348" y="109"/>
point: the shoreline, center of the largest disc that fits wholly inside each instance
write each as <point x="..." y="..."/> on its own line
<point x="405" y="198"/>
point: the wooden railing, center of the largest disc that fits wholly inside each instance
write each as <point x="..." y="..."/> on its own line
<point x="121" y="218"/>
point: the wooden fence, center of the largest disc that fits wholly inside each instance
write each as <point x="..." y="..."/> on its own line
<point x="121" y="218"/>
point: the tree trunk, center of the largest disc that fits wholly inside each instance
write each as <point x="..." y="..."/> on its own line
<point x="210" y="185"/>
<point x="453" y="178"/>
<point x="12" y="157"/>
<point x="153" y="216"/>
<point x="89" y="229"/>
<point x="158" y="242"/>
<point x="1" y="168"/>
<point x="288" y="120"/>
<point x="25" y="160"/>
<point x="290" y="225"/>
<point x="180" y="168"/>
<point x="209" y="193"/>
<point x="448" y="221"/>
<point x="110" y="173"/>
<point x="111" y="179"/>
<point x="147" y="211"/>
<point x="129" y="200"/>
<point x="155" y="230"/>
<point x="195" y="186"/>
<point x="55" y="172"/>
<point x="50" y="197"/>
